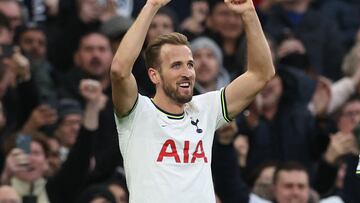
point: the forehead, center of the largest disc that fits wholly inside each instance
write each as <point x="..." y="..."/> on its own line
<point x="354" y="105"/>
<point x="170" y="53"/>
<point x="204" y="50"/>
<point x="294" y="176"/>
<point x="33" y="33"/>
<point x="94" y="40"/>
<point x="9" y="7"/>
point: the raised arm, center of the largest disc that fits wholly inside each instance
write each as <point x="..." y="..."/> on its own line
<point x="124" y="88"/>
<point x="260" y="69"/>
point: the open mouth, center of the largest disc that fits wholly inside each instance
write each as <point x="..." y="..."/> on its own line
<point x="184" y="85"/>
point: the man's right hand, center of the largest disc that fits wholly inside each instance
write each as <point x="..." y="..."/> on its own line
<point x="158" y="2"/>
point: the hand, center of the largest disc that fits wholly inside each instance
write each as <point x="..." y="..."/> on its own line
<point x="52" y="6"/>
<point x="19" y="65"/>
<point x="240" y="6"/>
<point x="227" y="132"/>
<point x="91" y="90"/>
<point x="340" y="144"/>
<point x="322" y="96"/>
<point x="290" y="46"/>
<point x="158" y="2"/>
<point x="109" y="11"/>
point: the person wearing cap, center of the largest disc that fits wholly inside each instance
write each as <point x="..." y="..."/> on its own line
<point x="70" y="116"/>
<point x="211" y="75"/>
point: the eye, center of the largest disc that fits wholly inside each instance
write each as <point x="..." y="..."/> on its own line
<point x="191" y="65"/>
<point x="176" y="65"/>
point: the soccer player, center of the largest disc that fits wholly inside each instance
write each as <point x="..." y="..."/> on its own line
<point x="166" y="140"/>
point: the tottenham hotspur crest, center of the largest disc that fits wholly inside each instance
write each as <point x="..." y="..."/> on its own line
<point x="195" y="123"/>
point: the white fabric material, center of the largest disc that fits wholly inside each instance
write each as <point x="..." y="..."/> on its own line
<point x="256" y="199"/>
<point x="332" y="199"/>
<point x="340" y="92"/>
<point x="178" y="177"/>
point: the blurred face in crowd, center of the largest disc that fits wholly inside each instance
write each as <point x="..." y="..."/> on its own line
<point x="226" y="22"/>
<point x="12" y="11"/>
<point x="5" y="36"/>
<point x="206" y="66"/>
<point x="54" y="156"/>
<point x="38" y="164"/>
<point x="292" y="186"/>
<point x="119" y="193"/>
<point x="161" y="24"/>
<point x="263" y="184"/>
<point x="176" y="72"/>
<point x="89" y="10"/>
<point x="94" y="55"/>
<point x="100" y="200"/>
<point x="33" y="42"/>
<point x="68" y="129"/>
<point x="271" y="94"/>
<point x="2" y="117"/>
<point x="350" y="116"/>
<point x="9" y="195"/>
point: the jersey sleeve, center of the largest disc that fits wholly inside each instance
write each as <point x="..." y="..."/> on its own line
<point x="125" y="124"/>
<point x="215" y="102"/>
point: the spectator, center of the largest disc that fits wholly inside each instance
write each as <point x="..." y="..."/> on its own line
<point x="68" y="127"/>
<point x="209" y="70"/>
<point x="291" y="183"/>
<point x="226" y="29"/>
<point x="194" y="25"/>
<point x="54" y="156"/>
<point x="12" y="9"/>
<point x="33" y="41"/>
<point x="295" y="19"/>
<point x="96" y="194"/>
<point x="5" y="31"/>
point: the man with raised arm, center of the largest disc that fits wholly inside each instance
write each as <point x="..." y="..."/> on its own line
<point x="166" y="141"/>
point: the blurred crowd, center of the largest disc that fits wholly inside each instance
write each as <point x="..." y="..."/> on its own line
<point x="298" y="142"/>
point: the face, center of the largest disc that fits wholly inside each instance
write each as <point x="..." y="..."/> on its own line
<point x="54" y="156"/>
<point x="13" y="11"/>
<point x="206" y="66"/>
<point x="225" y="22"/>
<point x="350" y="117"/>
<point x="161" y="24"/>
<point x="241" y="145"/>
<point x="8" y="195"/>
<point x="2" y="117"/>
<point x="270" y="95"/>
<point x="38" y="164"/>
<point x="119" y="193"/>
<point x="176" y="75"/>
<point x="5" y="36"/>
<point x="100" y="200"/>
<point x="33" y="42"/>
<point x="94" y="55"/>
<point x="89" y="10"/>
<point x="263" y="184"/>
<point x="292" y="186"/>
<point x="69" y="129"/>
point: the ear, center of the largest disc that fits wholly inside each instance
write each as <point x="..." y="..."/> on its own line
<point x="76" y="58"/>
<point x="154" y="76"/>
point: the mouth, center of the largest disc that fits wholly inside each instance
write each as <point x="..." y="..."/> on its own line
<point x="184" y="85"/>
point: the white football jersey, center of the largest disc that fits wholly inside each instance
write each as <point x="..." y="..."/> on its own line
<point x="167" y="157"/>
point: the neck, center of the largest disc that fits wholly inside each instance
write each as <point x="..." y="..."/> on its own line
<point x="167" y="104"/>
<point x="229" y="46"/>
